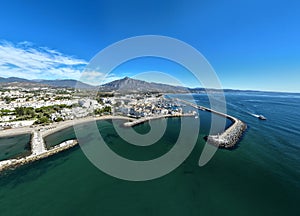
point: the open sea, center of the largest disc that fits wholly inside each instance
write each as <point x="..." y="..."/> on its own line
<point x="261" y="176"/>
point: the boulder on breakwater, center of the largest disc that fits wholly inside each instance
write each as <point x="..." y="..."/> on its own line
<point x="14" y="163"/>
<point x="230" y="137"/>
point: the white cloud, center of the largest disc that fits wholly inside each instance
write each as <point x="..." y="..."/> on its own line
<point x="94" y="77"/>
<point x="28" y="61"/>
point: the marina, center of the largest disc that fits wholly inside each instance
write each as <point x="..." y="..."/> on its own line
<point x="227" y="139"/>
<point x="253" y="168"/>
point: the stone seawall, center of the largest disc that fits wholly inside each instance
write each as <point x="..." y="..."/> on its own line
<point x="145" y="119"/>
<point x="231" y="136"/>
<point x="13" y="163"/>
<point x="228" y="138"/>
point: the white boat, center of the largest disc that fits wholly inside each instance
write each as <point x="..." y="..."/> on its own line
<point x="261" y="117"/>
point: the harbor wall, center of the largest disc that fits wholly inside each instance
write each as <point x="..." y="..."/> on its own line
<point x="13" y="163"/>
<point x="231" y="136"/>
<point x="145" y="119"/>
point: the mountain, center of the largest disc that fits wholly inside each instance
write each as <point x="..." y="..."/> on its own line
<point x="67" y="83"/>
<point x="12" y="79"/>
<point x="125" y="85"/>
<point x="133" y="85"/>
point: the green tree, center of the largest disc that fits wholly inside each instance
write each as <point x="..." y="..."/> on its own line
<point x="7" y="99"/>
<point x="59" y="119"/>
<point x="25" y="112"/>
<point x="20" y="111"/>
<point x="106" y="109"/>
<point x="42" y="120"/>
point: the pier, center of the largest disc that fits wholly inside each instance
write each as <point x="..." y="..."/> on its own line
<point x="38" y="148"/>
<point x="145" y="119"/>
<point x="38" y="151"/>
<point x="36" y="155"/>
<point x="230" y="137"/>
<point x="37" y="143"/>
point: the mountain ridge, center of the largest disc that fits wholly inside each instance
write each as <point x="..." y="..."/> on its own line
<point x="67" y="83"/>
<point x="125" y="84"/>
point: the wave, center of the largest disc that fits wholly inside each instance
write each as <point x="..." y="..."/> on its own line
<point x="255" y="115"/>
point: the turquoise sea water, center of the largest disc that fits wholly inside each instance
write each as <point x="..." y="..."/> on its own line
<point x="260" y="177"/>
<point x="14" y="146"/>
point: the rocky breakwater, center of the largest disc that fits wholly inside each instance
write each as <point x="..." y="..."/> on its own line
<point x="13" y="163"/>
<point x="230" y="137"/>
<point x="145" y="119"/>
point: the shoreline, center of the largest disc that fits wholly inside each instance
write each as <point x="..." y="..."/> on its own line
<point x="38" y="133"/>
<point x="15" y="131"/>
<point x="53" y="128"/>
<point x="227" y="139"/>
<point x="56" y="126"/>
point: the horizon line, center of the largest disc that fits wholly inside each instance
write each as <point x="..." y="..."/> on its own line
<point x="233" y="89"/>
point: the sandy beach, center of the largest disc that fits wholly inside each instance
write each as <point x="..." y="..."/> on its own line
<point x="57" y="126"/>
<point x="16" y="131"/>
<point x="47" y="130"/>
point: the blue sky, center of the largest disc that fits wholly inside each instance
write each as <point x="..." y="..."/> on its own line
<point x="250" y="44"/>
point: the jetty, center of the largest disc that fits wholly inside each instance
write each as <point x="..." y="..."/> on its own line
<point x="38" y="152"/>
<point x="145" y="119"/>
<point x="37" y="143"/>
<point x="230" y="137"/>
